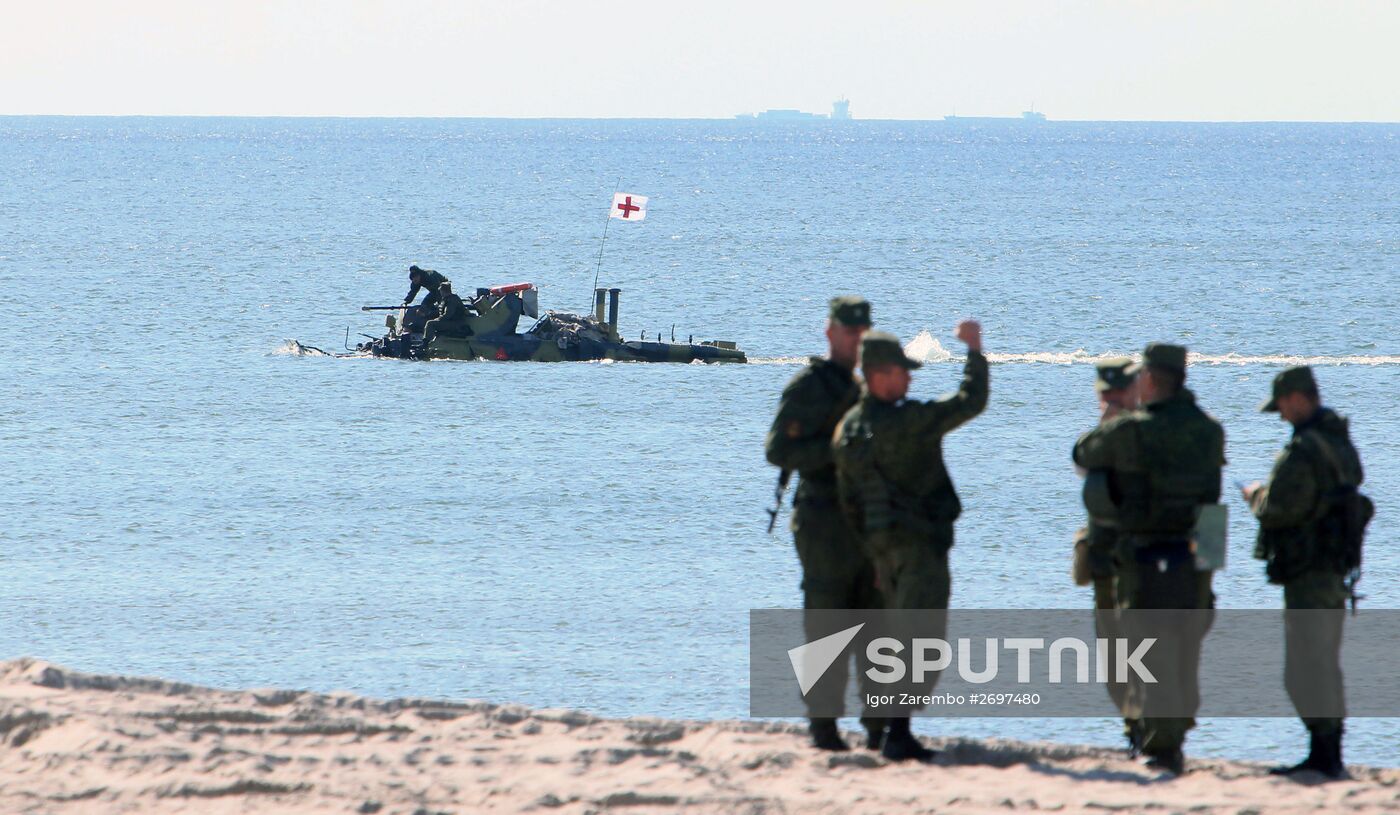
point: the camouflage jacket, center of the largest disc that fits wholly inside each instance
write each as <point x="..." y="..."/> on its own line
<point x="1292" y="502"/>
<point x="1164" y="461"/>
<point x="451" y="308"/>
<point x="889" y="457"/>
<point x="800" y="438"/>
<point x="429" y="280"/>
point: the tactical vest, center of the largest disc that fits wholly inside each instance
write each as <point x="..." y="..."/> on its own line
<point x="1099" y="499"/>
<point x="842" y="392"/>
<point x="1331" y="541"/>
<point x="886" y="504"/>
<point x="1181" y="449"/>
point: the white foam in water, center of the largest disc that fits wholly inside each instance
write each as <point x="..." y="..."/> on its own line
<point x="296" y="349"/>
<point x="925" y="348"/>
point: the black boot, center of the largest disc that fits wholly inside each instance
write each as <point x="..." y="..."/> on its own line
<point x="826" y="736"/>
<point x="1132" y="730"/>
<point x="874" y="732"/>
<point x="1169" y="761"/>
<point x="901" y="745"/>
<point x="1309" y="763"/>
<point x="1331" y="758"/>
<point x="1324" y="756"/>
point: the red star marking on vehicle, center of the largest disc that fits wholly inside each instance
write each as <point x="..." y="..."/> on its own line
<point x="501" y="353"/>
<point x="628" y="208"/>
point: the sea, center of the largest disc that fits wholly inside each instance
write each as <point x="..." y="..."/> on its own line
<point x="188" y="495"/>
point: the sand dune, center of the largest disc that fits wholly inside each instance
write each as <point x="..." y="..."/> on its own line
<point x="75" y="742"/>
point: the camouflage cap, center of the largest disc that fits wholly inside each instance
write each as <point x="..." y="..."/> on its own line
<point x="1113" y="374"/>
<point x="849" y="309"/>
<point x="883" y="348"/>
<point x="1161" y="355"/>
<point x="412" y="270"/>
<point x="1290" y="380"/>
<point x="444" y="286"/>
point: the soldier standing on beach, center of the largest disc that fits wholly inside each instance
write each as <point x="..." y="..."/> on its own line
<point x="1096" y="544"/>
<point x="835" y="572"/>
<point x="1165" y="460"/>
<point x="895" y="490"/>
<point x="1310" y="546"/>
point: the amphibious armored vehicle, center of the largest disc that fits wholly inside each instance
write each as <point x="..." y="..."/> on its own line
<point x="491" y="333"/>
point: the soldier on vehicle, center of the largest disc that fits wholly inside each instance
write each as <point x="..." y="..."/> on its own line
<point x="428" y="280"/>
<point x="1310" y="523"/>
<point x="1164" y="460"/>
<point x="1096" y="544"/>
<point x="452" y="316"/>
<point x="836" y="574"/>
<point x="895" y="490"/>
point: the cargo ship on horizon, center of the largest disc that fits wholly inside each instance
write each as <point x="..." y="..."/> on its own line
<point x="1026" y="116"/>
<point x="840" y="111"/>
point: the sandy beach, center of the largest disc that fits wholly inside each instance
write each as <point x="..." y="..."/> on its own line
<point x="77" y="742"/>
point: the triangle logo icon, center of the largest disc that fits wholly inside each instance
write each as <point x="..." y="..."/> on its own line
<point x="811" y="660"/>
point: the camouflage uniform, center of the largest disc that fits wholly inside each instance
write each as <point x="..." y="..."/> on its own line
<point x="452" y="316"/>
<point x="1164" y="461"/>
<point x="1100" y="539"/>
<point x="428" y="280"/>
<point x="1318" y="459"/>
<point x="835" y="572"/>
<point x="893" y="486"/>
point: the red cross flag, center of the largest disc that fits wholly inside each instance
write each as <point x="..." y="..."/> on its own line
<point x="628" y="207"/>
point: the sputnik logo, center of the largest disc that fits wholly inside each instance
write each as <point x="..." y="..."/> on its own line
<point x="811" y="660"/>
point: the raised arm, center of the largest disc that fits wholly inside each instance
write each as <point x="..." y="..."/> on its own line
<point x="944" y="415"/>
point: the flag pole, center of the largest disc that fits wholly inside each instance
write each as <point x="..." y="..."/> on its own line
<point x="604" y="242"/>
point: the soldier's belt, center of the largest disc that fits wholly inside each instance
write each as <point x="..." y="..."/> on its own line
<point x="1146" y="550"/>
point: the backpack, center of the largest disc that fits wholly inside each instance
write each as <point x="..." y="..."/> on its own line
<point x="1346" y="511"/>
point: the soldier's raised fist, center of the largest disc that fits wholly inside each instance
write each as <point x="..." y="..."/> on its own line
<point x="970" y="332"/>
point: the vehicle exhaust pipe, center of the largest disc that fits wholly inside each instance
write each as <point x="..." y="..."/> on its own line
<point x="598" y="295"/>
<point x="612" y="308"/>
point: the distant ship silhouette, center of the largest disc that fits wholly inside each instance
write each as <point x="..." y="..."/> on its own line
<point x="840" y="111"/>
<point x="1026" y="116"/>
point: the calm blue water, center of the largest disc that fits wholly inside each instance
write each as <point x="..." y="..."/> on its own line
<point x="182" y="497"/>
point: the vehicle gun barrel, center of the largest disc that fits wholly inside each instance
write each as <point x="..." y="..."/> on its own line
<point x="383" y="308"/>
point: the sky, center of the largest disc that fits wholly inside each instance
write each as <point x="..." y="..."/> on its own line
<point x="1225" y="60"/>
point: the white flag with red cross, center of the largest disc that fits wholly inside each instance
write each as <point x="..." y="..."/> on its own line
<point x="628" y="207"/>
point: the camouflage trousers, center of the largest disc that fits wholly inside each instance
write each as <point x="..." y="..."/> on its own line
<point x="1107" y="627"/>
<point x="835" y="575"/>
<point x="1313" y="647"/>
<point x="1167" y="582"/>
<point x="911" y="570"/>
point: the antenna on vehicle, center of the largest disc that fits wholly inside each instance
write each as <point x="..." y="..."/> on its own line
<point x="599" y="270"/>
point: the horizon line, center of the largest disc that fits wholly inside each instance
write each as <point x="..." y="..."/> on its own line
<point x="747" y="119"/>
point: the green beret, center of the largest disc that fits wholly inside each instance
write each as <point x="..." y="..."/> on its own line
<point x="882" y="348"/>
<point x="1290" y="380"/>
<point x="849" y="309"/>
<point x="1113" y="374"/>
<point x="1162" y="355"/>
